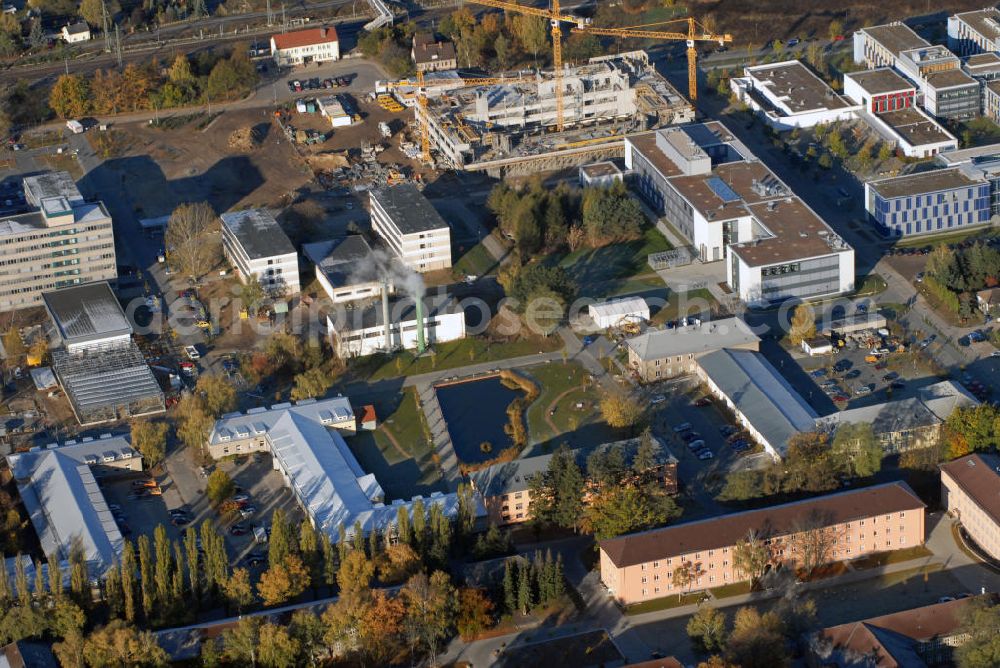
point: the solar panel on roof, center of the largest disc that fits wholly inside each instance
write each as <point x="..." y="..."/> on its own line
<point x="722" y="190"/>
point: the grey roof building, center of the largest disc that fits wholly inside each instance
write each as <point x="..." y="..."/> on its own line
<point x="256" y="245"/>
<point x="764" y="403"/>
<point x="414" y="231"/>
<point x="345" y="267"/>
<point x="662" y="353"/>
<point x="100" y="367"/>
<point x="58" y="486"/>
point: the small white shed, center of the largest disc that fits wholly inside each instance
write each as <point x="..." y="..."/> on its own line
<point x="818" y="345"/>
<point x="616" y="312"/>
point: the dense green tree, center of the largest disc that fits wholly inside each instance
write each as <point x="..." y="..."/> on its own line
<point x="618" y="510"/>
<point x="219" y="487"/>
<point x="857" y="450"/>
<point x="980" y="619"/>
<point x="557" y="494"/>
<point x="707" y="629"/>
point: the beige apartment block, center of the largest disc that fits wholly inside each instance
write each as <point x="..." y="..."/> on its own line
<point x="63" y="241"/>
<point x="639" y="567"/>
<point x="969" y="493"/>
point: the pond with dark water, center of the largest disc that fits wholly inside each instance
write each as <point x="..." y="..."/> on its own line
<point x="475" y="412"/>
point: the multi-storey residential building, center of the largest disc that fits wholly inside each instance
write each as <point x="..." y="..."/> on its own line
<point x="789" y="95"/>
<point x="256" y="245"/>
<point x="300" y="47"/>
<point x="665" y="353"/>
<point x="881" y="46"/>
<point x="506" y="488"/>
<point x="409" y="225"/>
<point x="974" y="32"/>
<point x="929" y="202"/>
<point x="879" y="90"/>
<point x="730" y="206"/>
<point x="969" y="493"/>
<point x="64" y="241"/>
<point x="883" y="518"/>
<point x="431" y="54"/>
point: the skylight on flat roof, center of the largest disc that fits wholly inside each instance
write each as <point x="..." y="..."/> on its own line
<point x="722" y="190"/>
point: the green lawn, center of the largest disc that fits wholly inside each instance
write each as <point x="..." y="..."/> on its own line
<point x="665" y="603"/>
<point x="450" y="355"/>
<point x="954" y="237"/>
<point x="695" y="301"/>
<point x="894" y="557"/>
<point x="477" y="261"/>
<point x="555" y="379"/>
<point x="870" y="285"/>
<point x="406" y="467"/>
<point x="594" y="268"/>
<point x="735" y="589"/>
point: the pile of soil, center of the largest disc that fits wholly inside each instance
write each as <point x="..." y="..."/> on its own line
<point x="244" y="139"/>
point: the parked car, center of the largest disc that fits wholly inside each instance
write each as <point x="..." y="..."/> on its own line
<point x="728" y="430"/>
<point x="684" y="426"/>
<point x="240" y="498"/>
<point x="705" y="454"/>
<point x="179" y="520"/>
<point x="697" y="444"/>
<point x="740" y="446"/>
<point x="818" y="373"/>
<point x="192" y="352"/>
<point x="657" y="399"/>
<point x="841" y="398"/>
<point x="881" y="365"/>
<point x="891" y="376"/>
<point x="691" y="436"/>
<point x="239" y="530"/>
<point x="862" y="390"/>
<point x="853" y="373"/>
<point x="247" y="511"/>
<point x="898" y="385"/>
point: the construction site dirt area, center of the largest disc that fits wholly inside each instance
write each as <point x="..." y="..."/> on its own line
<point x="191" y="159"/>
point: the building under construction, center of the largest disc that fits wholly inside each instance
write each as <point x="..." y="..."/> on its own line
<point x="509" y="127"/>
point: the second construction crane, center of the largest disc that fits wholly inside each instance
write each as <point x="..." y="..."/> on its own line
<point x="695" y="33"/>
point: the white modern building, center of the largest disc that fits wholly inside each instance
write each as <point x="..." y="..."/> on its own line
<point x="363" y="331"/>
<point x="789" y="95"/>
<point x="58" y="486"/>
<point x="301" y="47"/>
<point x="760" y="398"/>
<point x="881" y="46"/>
<point x="600" y="174"/>
<point x="307" y="447"/>
<point x="879" y="90"/>
<point x="732" y="208"/>
<point x="413" y="230"/>
<point x="345" y="268"/>
<point x="913" y="132"/>
<point x="931" y="202"/>
<point x="255" y="245"/>
<point x="63" y="241"/>
<point x="974" y="32"/>
<point x="617" y="312"/>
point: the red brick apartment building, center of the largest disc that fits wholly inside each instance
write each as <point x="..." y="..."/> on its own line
<point x="639" y="567"/>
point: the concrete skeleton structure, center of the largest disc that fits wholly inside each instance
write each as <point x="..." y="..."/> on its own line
<point x="664" y="353"/>
<point x="99" y="366"/>
<point x="307" y="447"/>
<point x="731" y="207"/>
<point x="58" y="486"/>
<point x="640" y="567"/>
<point x="500" y="126"/>
<point x="362" y="331"/>
<point x="974" y="32"/>
<point x="414" y="231"/>
<point x="64" y="241"/>
<point x="301" y="47"/>
<point x="255" y="245"/>
<point x="969" y="493"/>
<point x="789" y="95"/>
<point x="506" y="488"/>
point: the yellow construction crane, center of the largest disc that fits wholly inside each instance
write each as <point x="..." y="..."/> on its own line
<point x="695" y="33"/>
<point x="421" y="85"/>
<point x="555" y="20"/>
